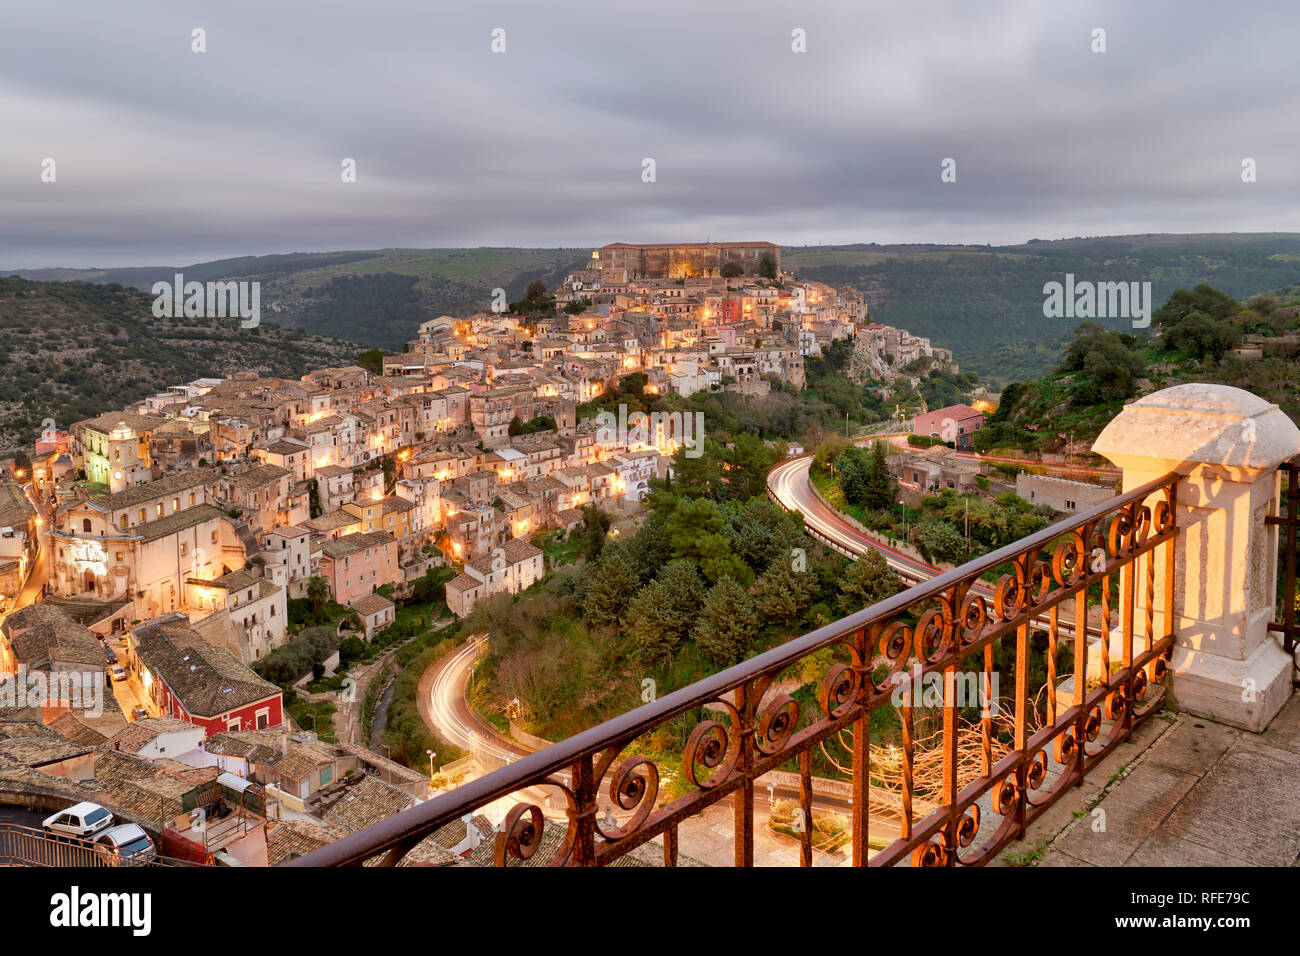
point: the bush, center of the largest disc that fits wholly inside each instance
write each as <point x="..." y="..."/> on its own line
<point x="287" y="663"/>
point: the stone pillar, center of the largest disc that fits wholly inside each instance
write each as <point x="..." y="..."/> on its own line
<point x="1226" y="444"/>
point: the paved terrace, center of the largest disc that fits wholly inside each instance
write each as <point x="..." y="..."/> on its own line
<point x="1183" y="791"/>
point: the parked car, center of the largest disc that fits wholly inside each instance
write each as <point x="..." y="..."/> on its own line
<point x="80" y="820"/>
<point x="99" y="637"/>
<point x="118" y="672"/>
<point x="139" y="713"/>
<point x="128" y="842"/>
<point x="109" y="655"/>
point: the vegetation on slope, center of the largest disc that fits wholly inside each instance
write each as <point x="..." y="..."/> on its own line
<point x="73" y="350"/>
<point x="986" y="303"/>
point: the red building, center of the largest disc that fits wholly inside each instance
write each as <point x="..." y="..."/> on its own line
<point x="956" y="424"/>
<point x="198" y="682"/>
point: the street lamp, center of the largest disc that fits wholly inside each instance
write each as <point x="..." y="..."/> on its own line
<point x="902" y="506"/>
<point x="431" y="756"/>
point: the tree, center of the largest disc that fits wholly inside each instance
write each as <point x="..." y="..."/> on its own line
<point x="880" y="487"/>
<point x="760" y="532"/>
<point x="941" y="541"/>
<point x="731" y="270"/>
<point x="1203" y="336"/>
<point x="536" y="290"/>
<point x="692" y="520"/>
<point x="662" y="614"/>
<point x="318" y="594"/>
<point x="851" y="475"/>
<point x="782" y="593"/>
<point x="650" y="548"/>
<point x="651" y="627"/>
<point x="611" y="584"/>
<point x="867" y="581"/>
<point x="595" y="527"/>
<point x="1204" y="299"/>
<point x="1108" y="366"/>
<point x="372" y="360"/>
<point x="727" y="625"/>
<point x="1265" y="303"/>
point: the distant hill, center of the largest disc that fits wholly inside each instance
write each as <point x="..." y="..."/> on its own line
<point x="986" y="302"/>
<point x="72" y="350"/>
<point x="1102" y="370"/>
<point x="983" y="302"/>
<point x="375" y="297"/>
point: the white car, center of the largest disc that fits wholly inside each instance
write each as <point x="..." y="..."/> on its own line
<point x="118" y="672"/>
<point x="127" y="841"/>
<point x="82" y="820"/>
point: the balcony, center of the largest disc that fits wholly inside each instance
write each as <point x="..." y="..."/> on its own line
<point x="1169" y="585"/>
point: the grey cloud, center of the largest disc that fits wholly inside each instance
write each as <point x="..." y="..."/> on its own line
<point x="169" y="156"/>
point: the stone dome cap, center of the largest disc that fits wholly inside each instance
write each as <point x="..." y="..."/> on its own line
<point x="1201" y="424"/>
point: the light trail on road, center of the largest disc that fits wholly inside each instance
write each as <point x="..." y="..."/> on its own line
<point x="450" y="712"/>
<point x="790" y="484"/>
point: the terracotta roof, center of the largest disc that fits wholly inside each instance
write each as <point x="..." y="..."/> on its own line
<point x="72" y="729"/>
<point x="370" y="604"/>
<point x="140" y="732"/>
<point x="208" y="680"/>
<point x="366" y="802"/>
<point x="178" y="521"/>
<point x="166" y="485"/>
<point x="276" y="750"/>
<point x="41" y="634"/>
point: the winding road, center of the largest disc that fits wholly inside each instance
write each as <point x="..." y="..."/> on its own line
<point x="790" y="486"/>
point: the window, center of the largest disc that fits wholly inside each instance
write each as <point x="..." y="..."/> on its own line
<point x="191" y="497"/>
<point x="121" y="522"/>
<point x="85" y="525"/>
<point x="158" y="508"/>
<point x="185" y="548"/>
<point x="141" y="514"/>
<point x="233" y="723"/>
<point x="176" y="504"/>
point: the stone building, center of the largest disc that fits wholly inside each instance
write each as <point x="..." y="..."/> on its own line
<point x="646" y="261"/>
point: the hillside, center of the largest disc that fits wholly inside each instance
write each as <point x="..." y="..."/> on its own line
<point x="1194" y="339"/>
<point x="375" y="297"/>
<point x="71" y="350"/>
<point x="983" y="302"/>
<point x="986" y="302"/>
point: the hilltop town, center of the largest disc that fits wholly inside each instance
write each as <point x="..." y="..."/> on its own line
<point x="184" y="524"/>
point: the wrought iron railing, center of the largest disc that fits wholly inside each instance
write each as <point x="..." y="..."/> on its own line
<point x="990" y="777"/>
<point x="1287" y="521"/>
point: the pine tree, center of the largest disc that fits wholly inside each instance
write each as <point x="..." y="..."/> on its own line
<point x="727" y="625"/>
<point x="879" y="488"/>
<point x="868" y="580"/>
<point x="611" y="584"/>
<point x="782" y="592"/>
<point x="651" y="627"/>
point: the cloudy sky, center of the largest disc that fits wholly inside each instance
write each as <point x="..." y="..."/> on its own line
<point x="167" y="156"/>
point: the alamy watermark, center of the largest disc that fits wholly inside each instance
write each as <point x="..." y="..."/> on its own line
<point x="194" y="300"/>
<point x="965" y="689"/>
<point x="685" y="429"/>
<point x="82" y="691"/>
<point x="1098" y="300"/>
